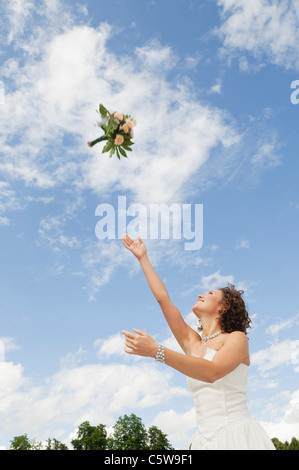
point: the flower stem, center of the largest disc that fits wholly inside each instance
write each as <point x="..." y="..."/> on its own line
<point x="100" y="139"/>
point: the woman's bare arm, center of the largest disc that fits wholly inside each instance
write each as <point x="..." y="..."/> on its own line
<point x="232" y="353"/>
<point x="182" y="332"/>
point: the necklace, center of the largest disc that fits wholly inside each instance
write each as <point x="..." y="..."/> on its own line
<point x="205" y="339"/>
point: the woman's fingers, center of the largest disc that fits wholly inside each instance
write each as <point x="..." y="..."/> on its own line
<point x="139" y="332"/>
<point x="129" y="240"/>
<point x="128" y="334"/>
<point x="131" y="340"/>
<point x="127" y="243"/>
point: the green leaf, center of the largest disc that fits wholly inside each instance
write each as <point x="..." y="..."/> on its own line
<point x="113" y="125"/>
<point x="117" y="153"/>
<point x="103" y="111"/>
<point x="112" y="152"/>
<point x="107" y="147"/>
<point x="123" y="152"/>
<point x="128" y="143"/>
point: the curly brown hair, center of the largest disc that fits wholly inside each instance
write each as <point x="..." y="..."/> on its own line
<point x="234" y="315"/>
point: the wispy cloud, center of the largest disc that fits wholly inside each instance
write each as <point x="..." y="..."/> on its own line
<point x="215" y="280"/>
<point x="273" y="357"/>
<point x="217" y="87"/>
<point x="243" y="244"/>
<point x="8" y="201"/>
<point x="267" y="30"/>
<point x="276" y="328"/>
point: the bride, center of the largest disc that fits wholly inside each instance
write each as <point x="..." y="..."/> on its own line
<point x="215" y="362"/>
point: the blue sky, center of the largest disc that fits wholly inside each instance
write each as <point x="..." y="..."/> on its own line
<point x="210" y="86"/>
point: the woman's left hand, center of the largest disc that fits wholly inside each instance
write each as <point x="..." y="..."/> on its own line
<point x="140" y="343"/>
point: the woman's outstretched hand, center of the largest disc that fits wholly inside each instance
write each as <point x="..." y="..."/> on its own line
<point x="137" y="248"/>
<point x="140" y="344"/>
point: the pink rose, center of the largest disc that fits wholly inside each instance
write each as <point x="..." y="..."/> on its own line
<point x="129" y="123"/>
<point x="126" y="128"/>
<point x="119" y="139"/>
<point x="118" y="116"/>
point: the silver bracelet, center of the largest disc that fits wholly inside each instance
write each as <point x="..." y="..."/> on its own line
<point x="160" y="354"/>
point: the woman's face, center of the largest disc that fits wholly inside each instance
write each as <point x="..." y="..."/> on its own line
<point x="208" y="303"/>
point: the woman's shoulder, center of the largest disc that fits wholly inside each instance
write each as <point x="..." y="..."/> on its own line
<point x="237" y="338"/>
<point x="239" y="335"/>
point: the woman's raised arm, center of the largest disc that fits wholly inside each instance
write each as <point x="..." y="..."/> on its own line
<point x="178" y="326"/>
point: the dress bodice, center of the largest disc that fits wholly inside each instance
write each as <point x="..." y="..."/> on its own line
<point x="221" y="403"/>
<point x="222" y="416"/>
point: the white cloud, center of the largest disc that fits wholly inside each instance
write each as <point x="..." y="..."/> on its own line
<point x="275" y="328"/>
<point x="180" y="426"/>
<point x="18" y="12"/>
<point x="11" y="380"/>
<point x="211" y="281"/>
<point x="51" y="231"/>
<point x="95" y="392"/>
<point x="273" y="357"/>
<point x="243" y="244"/>
<point x="216" y="280"/>
<point x="56" y="91"/>
<point x="285" y="427"/>
<point x="100" y="260"/>
<point x="114" y="345"/>
<point x="9" y="343"/>
<point x="72" y="360"/>
<point x="263" y="28"/>
<point x="154" y="55"/>
<point x="4" y="221"/>
<point x="217" y="87"/>
<point x="266" y="155"/>
<point x="8" y="201"/>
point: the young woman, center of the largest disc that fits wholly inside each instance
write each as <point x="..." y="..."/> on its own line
<point x="215" y="362"/>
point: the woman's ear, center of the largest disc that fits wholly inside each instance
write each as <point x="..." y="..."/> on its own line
<point x="221" y="309"/>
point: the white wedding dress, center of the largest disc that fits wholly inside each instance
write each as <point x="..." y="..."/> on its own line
<point x="222" y="416"/>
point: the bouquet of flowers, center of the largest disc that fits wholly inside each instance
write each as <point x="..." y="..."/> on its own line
<point x="118" y="131"/>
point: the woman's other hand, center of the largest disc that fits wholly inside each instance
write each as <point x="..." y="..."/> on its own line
<point x="140" y="344"/>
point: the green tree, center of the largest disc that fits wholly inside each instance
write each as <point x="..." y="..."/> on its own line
<point x="55" y="445"/>
<point x="24" y="443"/>
<point x="157" y="440"/>
<point x="20" y="443"/>
<point x="278" y="444"/>
<point x="90" y="437"/>
<point x="294" y="444"/>
<point x="129" y="434"/>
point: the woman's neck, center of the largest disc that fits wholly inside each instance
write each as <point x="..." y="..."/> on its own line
<point x="210" y="326"/>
